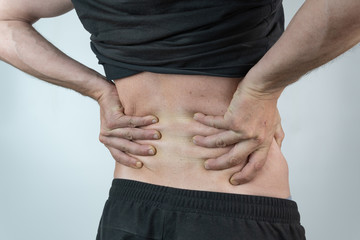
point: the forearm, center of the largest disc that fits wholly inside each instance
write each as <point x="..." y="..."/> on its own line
<point x="320" y="31"/>
<point x="23" y="47"/>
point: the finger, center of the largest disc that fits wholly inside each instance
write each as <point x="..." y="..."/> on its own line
<point x="256" y="162"/>
<point x="219" y="140"/>
<point x="132" y="121"/>
<point x="279" y="135"/>
<point x="237" y="156"/>
<point x="133" y="133"/>
<point x="128" y="146"/>
<point x="211" y="121"/>
<point x="125" y="159"/>
<point x="244" y="176"/>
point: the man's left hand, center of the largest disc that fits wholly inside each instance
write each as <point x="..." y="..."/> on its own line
<point x="252" y="121"/>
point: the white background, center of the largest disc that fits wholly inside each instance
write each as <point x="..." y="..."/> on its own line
<point x="55" y="175"/>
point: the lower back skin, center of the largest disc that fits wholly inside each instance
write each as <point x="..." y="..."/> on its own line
<point x="179" y="162"/>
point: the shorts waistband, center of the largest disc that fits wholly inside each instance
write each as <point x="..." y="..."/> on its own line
<point x="257" y="208"/>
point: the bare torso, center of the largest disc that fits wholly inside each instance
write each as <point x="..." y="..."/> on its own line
<point x="178" y="161"/>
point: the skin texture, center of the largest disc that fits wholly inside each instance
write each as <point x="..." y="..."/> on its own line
<point x="179" y="162"/>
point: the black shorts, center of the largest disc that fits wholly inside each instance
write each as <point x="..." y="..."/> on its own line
<point x="138" y="211"/>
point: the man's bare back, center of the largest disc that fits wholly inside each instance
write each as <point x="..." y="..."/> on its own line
<point x="179" y="162"/>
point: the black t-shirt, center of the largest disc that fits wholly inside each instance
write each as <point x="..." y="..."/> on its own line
<point x="206" y="37"/>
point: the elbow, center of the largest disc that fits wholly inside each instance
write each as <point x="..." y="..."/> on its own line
<point x="6" y="20"/>
<point x="9" y="15"/>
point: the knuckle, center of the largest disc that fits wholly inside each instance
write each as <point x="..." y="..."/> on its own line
<point x="247" y="135"/>
<point x="282" y="135"/>
<point x="258" y="166"/>
<point x="102" y="138"/>
<point x="210" y="121"/>
<point x="259" y="139"/>
<point x="104" y="133"/>
<point x="111" y="124"/>
<point x="233" y="161"/>
<point x="131" y="122"/>
<point x="235" y="124"/>
<point x="123" y="148"/>
<point x="128" y="135"/>
<point x="253" y="132"/>
<point x="220" y="143"/>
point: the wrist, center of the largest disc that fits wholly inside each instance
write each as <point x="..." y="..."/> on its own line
<point x="256" y="85"/>
<point x="108" y="97"/>
<point x="97" y="87"/>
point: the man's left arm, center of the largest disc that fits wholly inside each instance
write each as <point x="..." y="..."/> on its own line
<point x="319" y="32"/>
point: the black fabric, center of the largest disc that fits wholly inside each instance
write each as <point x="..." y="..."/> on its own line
<point x="138" y="211"/>
<point x="207" y="37"/>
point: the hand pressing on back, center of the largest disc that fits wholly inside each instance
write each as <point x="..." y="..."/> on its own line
<point x="252" y="122"/>
<point x="118" y="130"/>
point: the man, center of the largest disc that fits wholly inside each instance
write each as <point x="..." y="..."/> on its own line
<point x="255" y="98"/>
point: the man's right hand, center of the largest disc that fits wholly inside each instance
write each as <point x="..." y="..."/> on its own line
<point x="23" y="47"/>
<point x="118" y="130"/>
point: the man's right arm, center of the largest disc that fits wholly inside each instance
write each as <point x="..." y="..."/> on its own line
<point x="23" y="47"/>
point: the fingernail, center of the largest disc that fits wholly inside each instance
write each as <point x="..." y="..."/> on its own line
<point x="234" y="182"/>
<point x="206" y="165"/>
<point x="156" y="136"/>
<point x="154" y="120"/>
<point x="151" y="151"/>
<point x="193" y="140"/>
<point x="139" y="164"/>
